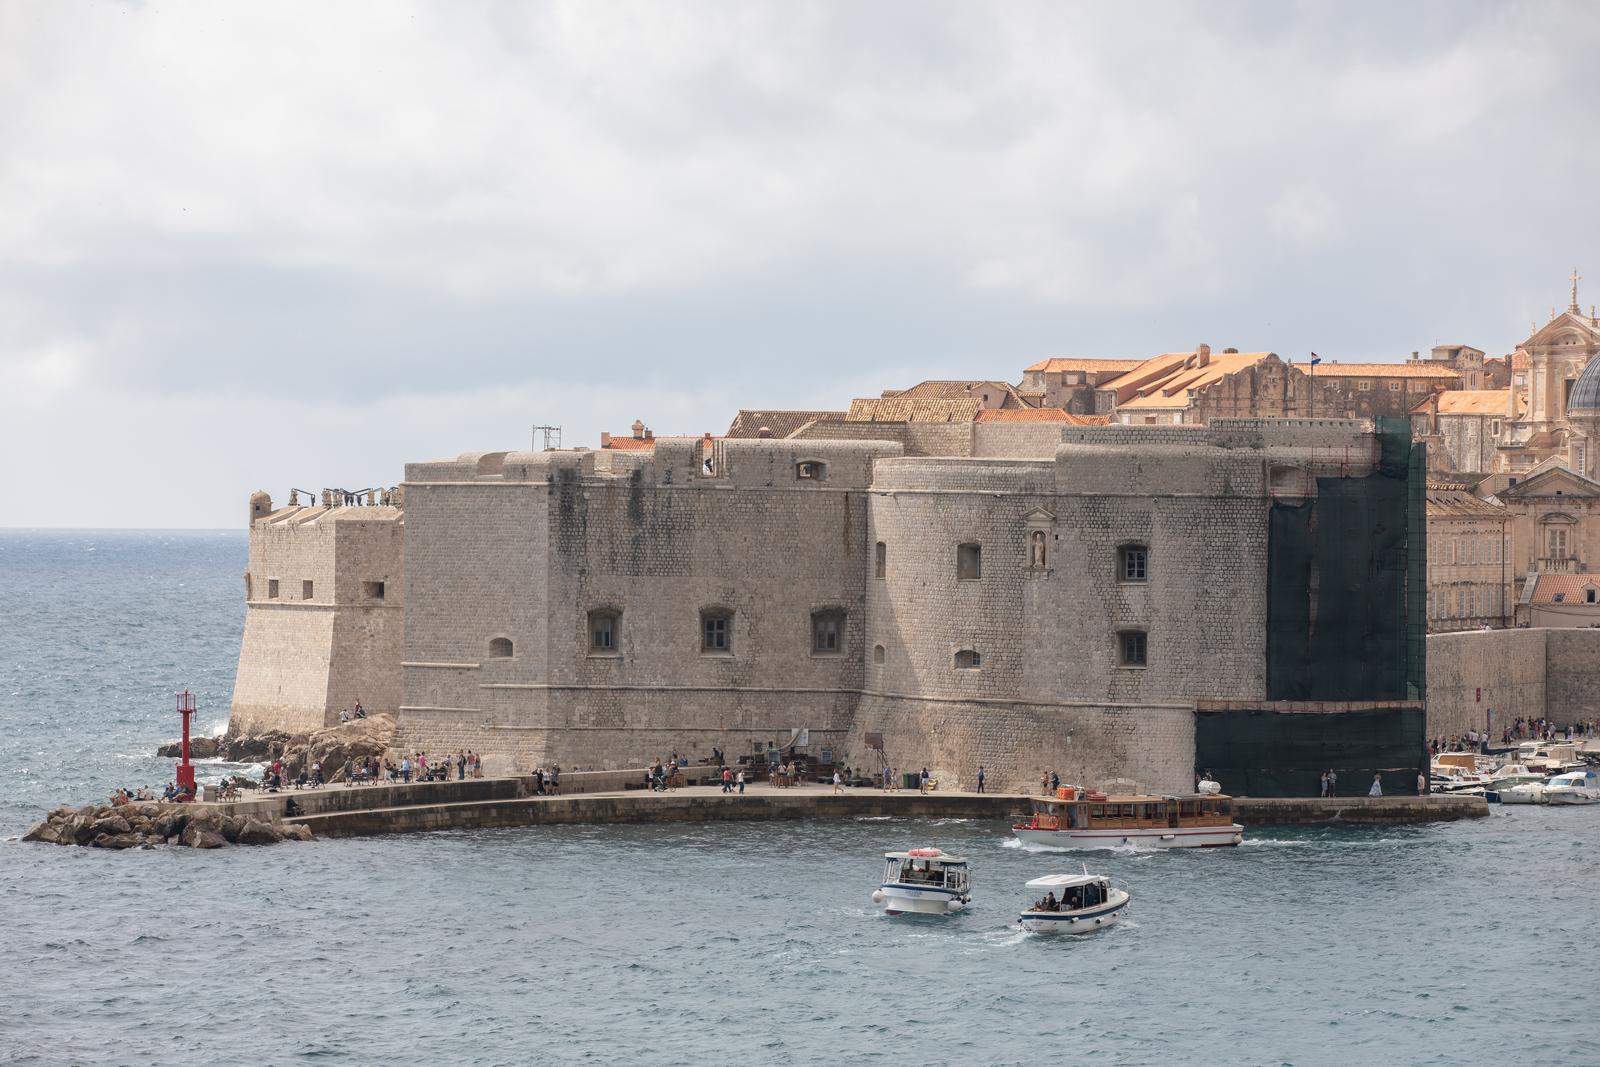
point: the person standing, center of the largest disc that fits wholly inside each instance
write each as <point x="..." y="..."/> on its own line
<point x="980" y="777"/>
<point x="1333" y="782"/>
<point x="1422" y="784"/>
<point x="1055" y="782"/>
<point x="838" y="782"/>
<point x="922" y="782"/>
<point x="1324" y="781"/>
<point x="727" y="780"/>
<point x="741" y="782"/>
<point x="1377" y="786"/>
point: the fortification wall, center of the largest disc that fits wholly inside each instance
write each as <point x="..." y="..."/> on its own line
<point x="315" y="640"/>
<point x="1527" y="673"/>
<point x="1017" y="741"/>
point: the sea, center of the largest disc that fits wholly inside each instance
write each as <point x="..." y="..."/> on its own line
<point x="750" y="943"/>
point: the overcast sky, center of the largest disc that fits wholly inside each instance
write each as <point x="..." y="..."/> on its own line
<point x="269" y="245"/>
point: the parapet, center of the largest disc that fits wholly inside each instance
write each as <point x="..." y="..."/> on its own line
<point x="964" y="474"/>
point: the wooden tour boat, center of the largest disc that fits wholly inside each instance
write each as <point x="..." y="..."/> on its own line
<point x="1075" y="818"/>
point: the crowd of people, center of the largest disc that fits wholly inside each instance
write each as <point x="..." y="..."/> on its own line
<point x="1517" y="730"/>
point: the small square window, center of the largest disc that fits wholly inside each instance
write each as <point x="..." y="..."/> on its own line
<point x="810" y="471"/>
<point x="715" y="632"/>
<point x="1364" y="386"/>
<point x="1394" y="387"/>
<point x="969" y="561"/>
<point x="1133" y="563"/>
<point x="605" y="632"/>
<point x="372" y="590"/>
<point x="305" y="590"/>
<point x="1131" y="648"/>
<point x="826" y="630"/>
<point x="272" y="589"/>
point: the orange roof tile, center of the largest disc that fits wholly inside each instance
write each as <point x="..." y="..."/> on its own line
<point x="894" y="409"/>
<point x="1091" y="365"/>
<point x="1171" y="379"/>
<point x="624" y="442"/>
<point x="1467" y="402"/>
<point x="748" y="423"/>
<point x="1568" y="587"/>
<point x="1383" y="370"/>
<point x="958" y="390"/>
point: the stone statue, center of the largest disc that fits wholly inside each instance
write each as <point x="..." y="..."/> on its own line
<point x="1037" y="556"/>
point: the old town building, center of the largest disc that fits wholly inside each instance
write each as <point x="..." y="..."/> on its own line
<point x="1468" y="560"/>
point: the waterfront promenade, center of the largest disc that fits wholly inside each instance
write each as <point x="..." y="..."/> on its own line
<point x="338" y="811"/>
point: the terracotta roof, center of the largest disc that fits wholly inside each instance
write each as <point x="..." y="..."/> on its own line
<point x="1384" y="370"/>
<point x="1171" y="379"/>
<point x="1121" y="366"/>
<point x="1519" y="359"/>
<point x="960" y="390"/>
<point x="1042" y="415"/>
<point x="894" y="409"/>
<point x="782" y="423"/>
<point x="1569" y="587"/>
<point x="1467" y="402"/>
<point x="1459" y="503"/>
<point x="626" y="442"/>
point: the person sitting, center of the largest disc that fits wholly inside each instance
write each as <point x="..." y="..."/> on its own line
<point x="1050" y="902"/>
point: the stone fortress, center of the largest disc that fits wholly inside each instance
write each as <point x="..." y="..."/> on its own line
<point x="1025" y="594"/>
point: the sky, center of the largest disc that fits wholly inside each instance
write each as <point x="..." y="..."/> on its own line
<point x="274" y="245"/>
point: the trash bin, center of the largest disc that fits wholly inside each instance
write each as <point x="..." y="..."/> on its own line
<point x="208" y="793"/>
<point x="911" y="780"/>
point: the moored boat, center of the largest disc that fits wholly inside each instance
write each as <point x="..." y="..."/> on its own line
<point x="923" y="881"/>
<point x="1078" y="819"/>
<point x="1575" y="787"/>
<point x="1074" y="904"/>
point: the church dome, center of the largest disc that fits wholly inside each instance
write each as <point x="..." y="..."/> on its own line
<point x="1585" y="395"/>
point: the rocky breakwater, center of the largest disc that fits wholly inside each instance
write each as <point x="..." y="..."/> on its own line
<point x="145" y="824"/>
<point x="355" y="740"/>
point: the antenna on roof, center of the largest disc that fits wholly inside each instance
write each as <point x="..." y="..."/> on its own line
<point x="552" y="437"/>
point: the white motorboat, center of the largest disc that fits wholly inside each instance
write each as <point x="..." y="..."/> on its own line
<point x="1076" y="819"/>
<point x="1513" y="774"/>
<point x="923" y="881"/>
<point x="1074" y="904"/>
<point x="1526" y="793"/>
<point x="1574" y="787"/>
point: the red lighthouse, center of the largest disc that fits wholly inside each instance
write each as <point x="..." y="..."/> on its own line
<point x="185" y="768"/>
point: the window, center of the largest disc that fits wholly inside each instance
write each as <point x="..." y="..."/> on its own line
<point x="880" y="561"/>
<point x="1131" y="648"/>
<point x="1556" y="539"/>
<point x="827" y="631"/>
<point x="716" y="631"/>
<point x="1494" y="427"/>
<point x="810" y="470"/>
<point x="605" y="632"/>
<point x="1133" y="563"/>
<point x="249" y="586"/>
<point x="878" y="655"/>
<point x="968" y="660"/>
<point x="1364" y="386"/>
<point x="1394" y="387"/>
<point x="500" y="648"/>
<point x="305" y="589"/>
<point x="272" y="589"/>
<point x="372" y="590"/>
<point x="969" y="561"/>
<point x="1588" y="595"/>
<point x="1559" y="597"/>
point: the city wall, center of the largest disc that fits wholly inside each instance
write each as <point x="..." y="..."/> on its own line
<point x="1520" y="673"/>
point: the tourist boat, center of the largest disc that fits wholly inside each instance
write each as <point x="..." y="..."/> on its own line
<point x="1083" y="903"/>
<point x="923" y="881"/>
<point x="1513" y="774"/>
<point x="1574" y="787"/>
<point x="1078" y="819"/>
<point x="1451" y="778"/>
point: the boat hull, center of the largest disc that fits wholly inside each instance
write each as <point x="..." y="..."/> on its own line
<point x="1155" y="837"/>
<point x="1570" y="796"/>
<point x="1086" y="921"/>
<point x="910" y="900"/>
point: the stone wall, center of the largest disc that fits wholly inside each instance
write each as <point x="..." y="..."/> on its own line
<point x="304" y="657"/>
<point x="1526" y="673"/>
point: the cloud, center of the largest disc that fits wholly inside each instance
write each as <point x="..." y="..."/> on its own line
<point x="285" y="220"/>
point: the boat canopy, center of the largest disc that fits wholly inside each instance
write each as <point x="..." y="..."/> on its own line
<point x="932" y="855"/>
<point x="1066" y="881"/>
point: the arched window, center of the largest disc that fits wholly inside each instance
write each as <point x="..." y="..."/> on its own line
<point x="716" y="631"/>
<point x="968" y="660"/>
<point x="878" y="655"/>
<point x="500" y="648"/>
<point x="969" y="561"/>
<point x="1133" y="563"/>
<point x="605" y="632"/>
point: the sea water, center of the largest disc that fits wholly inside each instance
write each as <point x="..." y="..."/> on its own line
<point x="746" y="943"/>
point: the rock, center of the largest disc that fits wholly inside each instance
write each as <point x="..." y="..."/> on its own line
<point x="196" y="835"/>
<point x="169" y="824"/>
<point x="199" y="748"/>
<point x="118" y="841"/>
<point x="79" y="828"/>
<point x="109" y="824"/>
<point x="38" y="831"/>
<point x="296" y="831"/>
<point x="232" y="825"/>
<point x="255" y="832"/>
